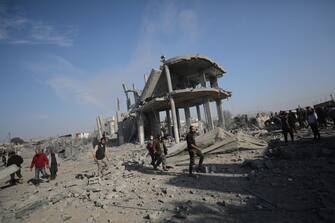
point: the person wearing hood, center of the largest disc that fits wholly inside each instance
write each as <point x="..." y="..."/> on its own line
<point x="54" y="164"/>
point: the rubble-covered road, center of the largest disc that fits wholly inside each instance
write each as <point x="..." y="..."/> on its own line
<point x="275" y="183"/>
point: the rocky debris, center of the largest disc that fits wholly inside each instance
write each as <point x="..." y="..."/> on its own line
<point x="326" y="214"/>
<point x="253" y="164"/>
<point x="261" y="183"/>
<point x="219" y="139"/>
<point x="30" y="208"/>
<point x="66" y="218"/>
<point x="152" y="217"/>
<point x="221" y="203"/>
<point x="181" y="212"/>
<point x="58" y="197"/>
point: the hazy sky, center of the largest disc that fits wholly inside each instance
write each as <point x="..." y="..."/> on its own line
<point x="62" y="62"/>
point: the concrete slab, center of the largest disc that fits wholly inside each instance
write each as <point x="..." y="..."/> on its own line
<point x="8" y="171"/>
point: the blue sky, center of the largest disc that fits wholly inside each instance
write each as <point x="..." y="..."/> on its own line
<point x="62" y="62"/>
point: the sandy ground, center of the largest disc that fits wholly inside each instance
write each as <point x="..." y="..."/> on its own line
<point x="279" y="183"/>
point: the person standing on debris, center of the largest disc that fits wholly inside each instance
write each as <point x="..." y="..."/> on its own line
<point x="54" y="164"/>
<point x="312" y="119"/>
<point x="160" y="153"/>
<point x="193" y="150"/>
<point x="301" y="112"/>
<point x="17" y="160"/>
<point x="300" y="118"/>
<point x="292" y="119"/>
<point x="100" y="155"/>
<point x="151" y="150"/>
<point x="4" y="160"/>
<point x="286" y="126"/>
<point x="40" y="162"/>
<point x="322" y="115"/>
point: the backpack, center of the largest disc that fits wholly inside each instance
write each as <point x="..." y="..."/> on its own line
<point x="100" y="153"/>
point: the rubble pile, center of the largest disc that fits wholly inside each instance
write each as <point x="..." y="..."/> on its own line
<point x="69" y="148"/>
<point x="218" y="141"/>
<point x="247" y="178"/>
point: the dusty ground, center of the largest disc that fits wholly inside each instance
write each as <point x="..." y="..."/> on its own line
<point x="279" y="183"/>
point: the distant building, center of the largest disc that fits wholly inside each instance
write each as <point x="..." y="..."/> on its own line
<point x="82" y="135"/>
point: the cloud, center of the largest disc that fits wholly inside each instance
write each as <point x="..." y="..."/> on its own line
<point x="71" y="89"/>
<point x="163" y="27"/>
<point x="168" y="20"/>
<point x="15" y="29"/>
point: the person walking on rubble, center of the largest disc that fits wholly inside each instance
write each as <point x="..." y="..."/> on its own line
<point x="101" y="156"/>
<point x="301" y="117"/>
<point x="160" y="153"/>
<point x="292" y="120"/>
<point x="4" y="159"/>
<point x="17" y="160"/>
<point x="40" y="162"/>
<point x="151" y="150"/>
<point x="312" y="119"/>
<point x="54" y="164"/>
<point x="193" y="150"/>
<point x="322" y="115"/>
<point x="286" y="128"/>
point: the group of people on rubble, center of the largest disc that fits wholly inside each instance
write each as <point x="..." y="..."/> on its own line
<point x="156" y="148"/>
<point x="309" y="117"/>
<point x="158" y="151"/>
<point x="40" y="161"/>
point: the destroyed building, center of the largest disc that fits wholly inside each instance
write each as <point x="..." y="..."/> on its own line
<point x="179" y="83"/>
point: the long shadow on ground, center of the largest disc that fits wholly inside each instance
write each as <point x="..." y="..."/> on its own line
<point x="292" y="183"/>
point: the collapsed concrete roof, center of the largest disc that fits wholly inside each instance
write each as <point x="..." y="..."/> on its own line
<point x="187" y="72"/>
<point x="185" y="98"/>
<point x="192" y="64"/>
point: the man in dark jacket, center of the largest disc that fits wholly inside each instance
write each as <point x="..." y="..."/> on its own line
<point x="151" y="150"/>
<point x="54" y="163"/>
<point x="4" y="159"/>
<point x="100" y="155"/>
<point x="160" y="152"/>
<point x="193" y="149"/>
<point x="286" y="126"/>
<point x="17" y="160"/>
<point x="291" y="118"/>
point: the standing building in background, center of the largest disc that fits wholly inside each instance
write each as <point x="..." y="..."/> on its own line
<point x="179" y="84"/>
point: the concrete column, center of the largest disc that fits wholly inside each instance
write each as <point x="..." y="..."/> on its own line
<point x="168" y="122"/>
<point x="99" y="128"/>
<point x="214" y="83"/>
<point x="208" y="114"/>
<point x="187" y="117"/>
<point x="155" y="123"/>
<point x="220" y="113"/>
<point x="110" y="127"/>
<point x="207" y="108"/>
<point x="127" y="96"/>
<point x="119" y="128"/>
<point x="140" y="128"/>
<point x="178" y="120"/>
<point x="198" y="112"/>
<point x="172" y="104"/>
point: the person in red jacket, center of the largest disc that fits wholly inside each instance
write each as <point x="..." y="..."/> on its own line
<point x="40" y="161"/>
